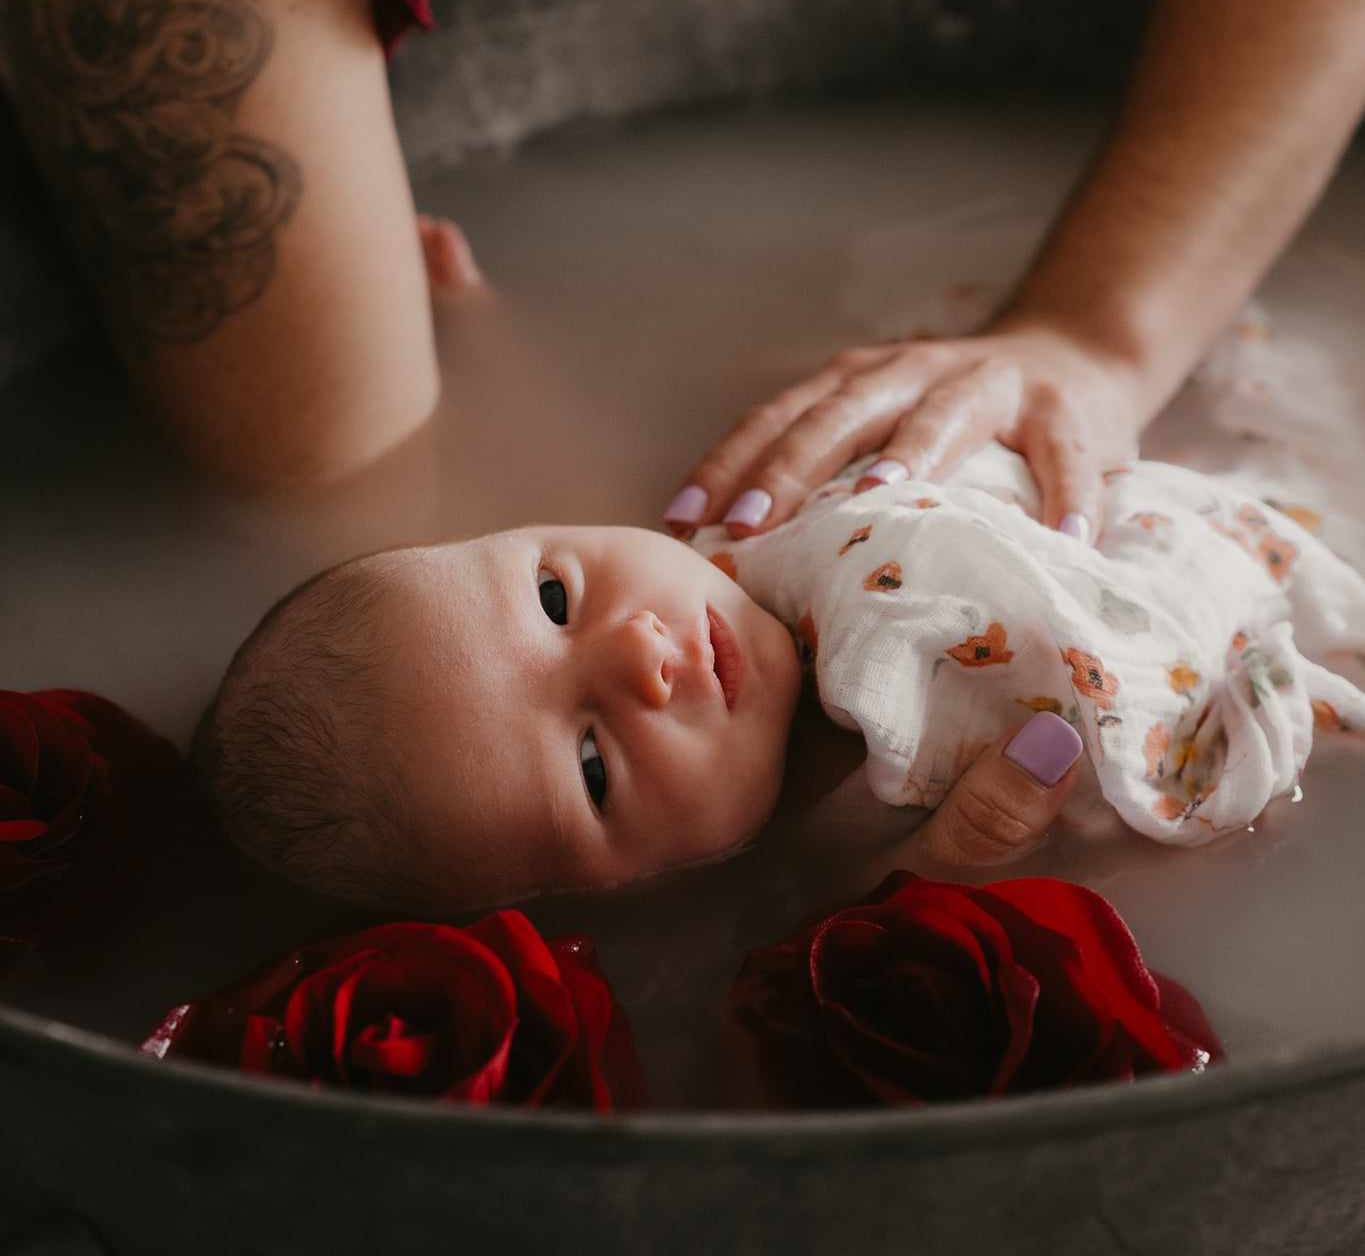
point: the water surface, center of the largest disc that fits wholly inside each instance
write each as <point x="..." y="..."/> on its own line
<point x="654" y="279"/>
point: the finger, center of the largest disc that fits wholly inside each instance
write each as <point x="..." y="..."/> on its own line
<point x="1069" y="475"/>
<point x="451" y="268"/>
<point x="953" y="419"/>
<point x="711" y="485"/>
<point x="1001" y="807"/>
<point x="856" y="417"/>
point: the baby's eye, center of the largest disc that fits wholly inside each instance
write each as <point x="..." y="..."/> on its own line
<point x="554" y="599"/>
<point x="594" y="769"/>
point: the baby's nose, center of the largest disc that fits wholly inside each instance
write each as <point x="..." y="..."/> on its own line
<point x="645" y="653"/>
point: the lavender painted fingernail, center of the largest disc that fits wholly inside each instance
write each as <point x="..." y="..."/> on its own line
<point x="750" y="509"/>
<point x="688" y="506"/>
<point x="1045" y="748"/>
<point x="887" y="470"/>
<point x="1077" y="526"/>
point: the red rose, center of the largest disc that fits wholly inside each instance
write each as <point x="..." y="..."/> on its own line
<point x="484" y="1014"/>
<point x="929" y="990"/>
<point x="80" y="786"/>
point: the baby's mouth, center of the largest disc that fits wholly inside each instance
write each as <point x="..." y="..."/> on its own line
<point x="727" y="661"/>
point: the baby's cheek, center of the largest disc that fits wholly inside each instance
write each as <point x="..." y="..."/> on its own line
<point x="746" y="788"/>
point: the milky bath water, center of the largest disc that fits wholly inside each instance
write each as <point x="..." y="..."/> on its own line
<point x="652" y="281"/>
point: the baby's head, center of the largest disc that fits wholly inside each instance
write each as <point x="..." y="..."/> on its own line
<point x="467" y="724"/>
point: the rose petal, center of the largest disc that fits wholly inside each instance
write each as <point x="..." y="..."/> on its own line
<point x="161" y="1041"/>
<point x="21" y="830"/>
<point x="943" y="1057"/>
<point x="18" y="743"/>
<point x="66" y="762"/>
<point x="898" y="1073"/>
<point x="1107" y="966"/>
<point x="393" y="1050"/>
<point x="550" y="1029"/>
<point x="457" y="988"/>
<point x="1019" y="991"/>
<point x="607" y="1045"/>
<point x="13" y="804"/>
<point x="19" y="873"/>
<point x="1188" y="1023"/>
<point x="261" y="1040"/>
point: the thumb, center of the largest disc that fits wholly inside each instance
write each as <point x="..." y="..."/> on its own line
<point x="1003" y="804"/>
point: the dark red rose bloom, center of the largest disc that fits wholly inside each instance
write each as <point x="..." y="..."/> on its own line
<point x="395" y="18"/>
<point x="82" y="788"/>
<point x="929" y="990"/>
<point x="485" y="1014"/>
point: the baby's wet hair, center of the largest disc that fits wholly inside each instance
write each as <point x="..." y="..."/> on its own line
<point x="291" y="755"/>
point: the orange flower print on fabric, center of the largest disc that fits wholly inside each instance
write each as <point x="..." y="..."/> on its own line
<point x="1239" y="641"/>
<point x="1325" y="717"/>
<point x="857" y="538"/>
<point x="1182" y="677"/>
<point x="1277" y="555"/>
<point x="1233" y="534"/>
<point x="1089" y="676"/>
<point x="807" y="638"/>
<point x="1155" y="746"/>
<point x="1150" y="520"/>
<point x="925" y="503"/>
<point x="984" y="650"/>
<point x="726" y="562"/>
<point x="1305" y="516"/>
<point x="1253" y="518"/>
<point x="1168" y="808"/>
<point x="886" y="579"/>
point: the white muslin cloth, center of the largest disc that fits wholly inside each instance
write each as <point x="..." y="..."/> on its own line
<point x="1193" y="648"/>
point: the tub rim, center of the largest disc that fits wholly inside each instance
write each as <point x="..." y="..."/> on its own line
<point x="934" y="1128"/>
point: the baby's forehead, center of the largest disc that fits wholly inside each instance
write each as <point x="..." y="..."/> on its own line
<point x="456" y="617"/>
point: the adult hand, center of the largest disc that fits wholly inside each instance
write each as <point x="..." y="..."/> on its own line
<point x="1000" y="808"/>
<point x="1072" y="409"/>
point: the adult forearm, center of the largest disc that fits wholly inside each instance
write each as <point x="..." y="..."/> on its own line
<point x="232" y="179"/>
<point x="1237" y="115"/>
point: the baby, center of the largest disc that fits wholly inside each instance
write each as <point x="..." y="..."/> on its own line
<point x="470" y="723"/>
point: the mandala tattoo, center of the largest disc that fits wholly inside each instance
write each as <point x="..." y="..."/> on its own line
<point x="133" y="103"/>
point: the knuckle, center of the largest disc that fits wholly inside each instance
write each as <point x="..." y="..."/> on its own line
<point x="832" y="412"/>
<point x="784" y="477"/>
<point x="987" y="828"/>
<point x="931" y="354"/>
<point x="716" y="469"/>
<point x="1046" y="400"/>
<point x="763" y="418"/>
<point x="855" y="359"/>
<point x="1063" y="444"/>
<point x="933" y="414"/>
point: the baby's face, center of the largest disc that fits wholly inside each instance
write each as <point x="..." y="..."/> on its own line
<point x="582" y="707"/>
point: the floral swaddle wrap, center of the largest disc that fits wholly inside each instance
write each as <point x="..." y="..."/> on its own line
<point x="1192" y="648"/>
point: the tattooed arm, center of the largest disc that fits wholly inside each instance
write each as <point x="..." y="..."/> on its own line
<point x="230" y="173"/>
